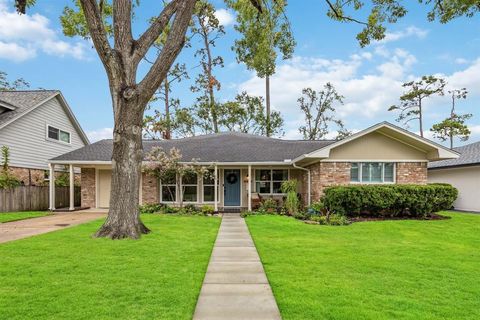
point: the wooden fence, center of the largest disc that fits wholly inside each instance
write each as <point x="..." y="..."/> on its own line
<point x="33" y="198"/>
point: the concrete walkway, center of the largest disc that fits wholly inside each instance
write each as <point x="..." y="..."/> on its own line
<point x="15" y="230"/>
<point x="235" y="286"/>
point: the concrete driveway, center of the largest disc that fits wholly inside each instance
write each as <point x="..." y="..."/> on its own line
<point x="15" y="230"/>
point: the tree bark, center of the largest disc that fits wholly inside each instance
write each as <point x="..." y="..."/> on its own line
<point x="123" y="219"/>
<point x="420" y="117"/>
<point x="267" y="102"/>
<point x="168" y="129"/>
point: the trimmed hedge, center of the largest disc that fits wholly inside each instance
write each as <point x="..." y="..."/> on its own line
<point x="389" y="200"/>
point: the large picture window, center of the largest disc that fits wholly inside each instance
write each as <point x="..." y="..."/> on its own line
<point x="169" y="187"/>
<point x="372" y="172"/>
<point x="209" y="186"/>
<point x="190" y="187"/>
<point x="269" y="181"/>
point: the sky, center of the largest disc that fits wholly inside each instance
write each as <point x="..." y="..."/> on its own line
<point x="33" y="47"/>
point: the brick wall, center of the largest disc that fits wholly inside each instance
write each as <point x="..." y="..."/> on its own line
<point x="29" y="177"/>
<point x="150" y="191"/>
<point x="411" y="172"/>
<point x="326" y="174"/>
<point x="88" y="187"/>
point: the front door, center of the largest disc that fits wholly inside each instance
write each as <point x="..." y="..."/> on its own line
<point x="231" y="182"/>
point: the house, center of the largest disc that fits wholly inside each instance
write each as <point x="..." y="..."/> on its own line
<point x="248" y="165"/>
<point x="37" y="125"/>
<point x="463" y="173"/>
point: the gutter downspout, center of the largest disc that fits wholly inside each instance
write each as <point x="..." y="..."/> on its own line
<point x="309" y="183"/>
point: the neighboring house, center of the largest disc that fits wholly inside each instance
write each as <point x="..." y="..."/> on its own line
<point x="382" y="154"/>
<point x="37" y="125"/>
<point x="463" y="173"/>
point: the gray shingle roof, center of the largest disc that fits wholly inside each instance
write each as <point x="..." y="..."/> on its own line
<point x="221" y="147"/>
<point x="469" y="155"/>
<point x="23" y="101"/>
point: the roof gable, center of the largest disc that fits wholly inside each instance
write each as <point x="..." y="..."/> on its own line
<point x="434" y="151"/>
<point x="23" y="102"/>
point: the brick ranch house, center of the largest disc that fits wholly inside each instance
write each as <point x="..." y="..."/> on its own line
<point x="248" y="166"/>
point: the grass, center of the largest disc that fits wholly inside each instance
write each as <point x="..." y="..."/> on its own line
<point x="69" y="275"/>
<point x="372" y="270"/>
<point x="14" y="216"/>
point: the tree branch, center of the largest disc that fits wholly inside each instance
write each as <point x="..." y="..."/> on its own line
<point x="98" y="33"/>
<point x="122" y="25"/>
<point x="342" y="17"/>
<point x="173" y="46"/>
<point x="147" y="39"/>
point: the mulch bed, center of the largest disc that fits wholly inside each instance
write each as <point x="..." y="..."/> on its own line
<point x="429" y="217"/>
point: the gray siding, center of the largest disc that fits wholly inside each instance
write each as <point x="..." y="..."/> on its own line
<point x="27" y="136"/>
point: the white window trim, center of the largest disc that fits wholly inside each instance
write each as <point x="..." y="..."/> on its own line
<point x="202" y="188"/>
<point x="383" y="173"/>
<point x="59" y="129"/>
<point x="271" y="181"/>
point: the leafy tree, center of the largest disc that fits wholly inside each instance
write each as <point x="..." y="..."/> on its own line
<point x="208" y="28"/>
<point x="319" y="109"/>
<point x="247" y="114"/>
<point x="265" y="35"/>
<point x="121" y="55"/>
<point x="7" y="179"/>
<point x="160" y="125"/>
<point x="17" y="84"/>
<point x="453" y="126"/>
<point x="411" y="102"/>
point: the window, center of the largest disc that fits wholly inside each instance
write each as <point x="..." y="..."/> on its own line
<point x="57" y="134"/>
<point x="270" y="181"/>
<point x="372" y="172"/>
<point x="189" y="187"/>
<point x="169" y="187"/>
<point x="209" y="186"/>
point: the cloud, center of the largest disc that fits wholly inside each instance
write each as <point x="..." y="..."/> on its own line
<point x="367" y="95"/>
<point x="225" y="17"/>
<point x="411" y="31"/>
<point x="104" y="133"/>
<point x="22" y="36"/>
<point x="461" y="61"/>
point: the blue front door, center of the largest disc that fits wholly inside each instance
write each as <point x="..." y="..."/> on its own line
<point x="231" y="182"/>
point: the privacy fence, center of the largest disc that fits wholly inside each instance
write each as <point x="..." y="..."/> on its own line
<point x="33" y="198"/>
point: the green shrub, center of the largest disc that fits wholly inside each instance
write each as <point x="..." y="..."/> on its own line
<point x="292" y="203"/>
<point x="207" y="210"/>
<point x="268" y="206"/>
<point x="152" y="208"/>
<point x="7" y="179"/>
<point x="389" y="200"/>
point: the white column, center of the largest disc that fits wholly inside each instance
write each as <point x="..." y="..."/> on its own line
<point x="249" y="188"/>
<point x="72" y="189"/>
<point x="52" y="186"/>
<point x="215" y="189"/>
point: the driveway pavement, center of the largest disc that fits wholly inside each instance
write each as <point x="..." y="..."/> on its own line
<point x="15" y="230"/>
<point x="235" y="286"/>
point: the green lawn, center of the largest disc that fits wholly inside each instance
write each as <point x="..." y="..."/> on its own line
<point x="69" y="275"/>
<point x="14" y="216"/>
<point x="372" y="270"/>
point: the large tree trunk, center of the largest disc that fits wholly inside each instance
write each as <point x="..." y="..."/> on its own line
<point x="267" y="102"/>
<point x="123" y="219"/>
<point x="420" y="117"/>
